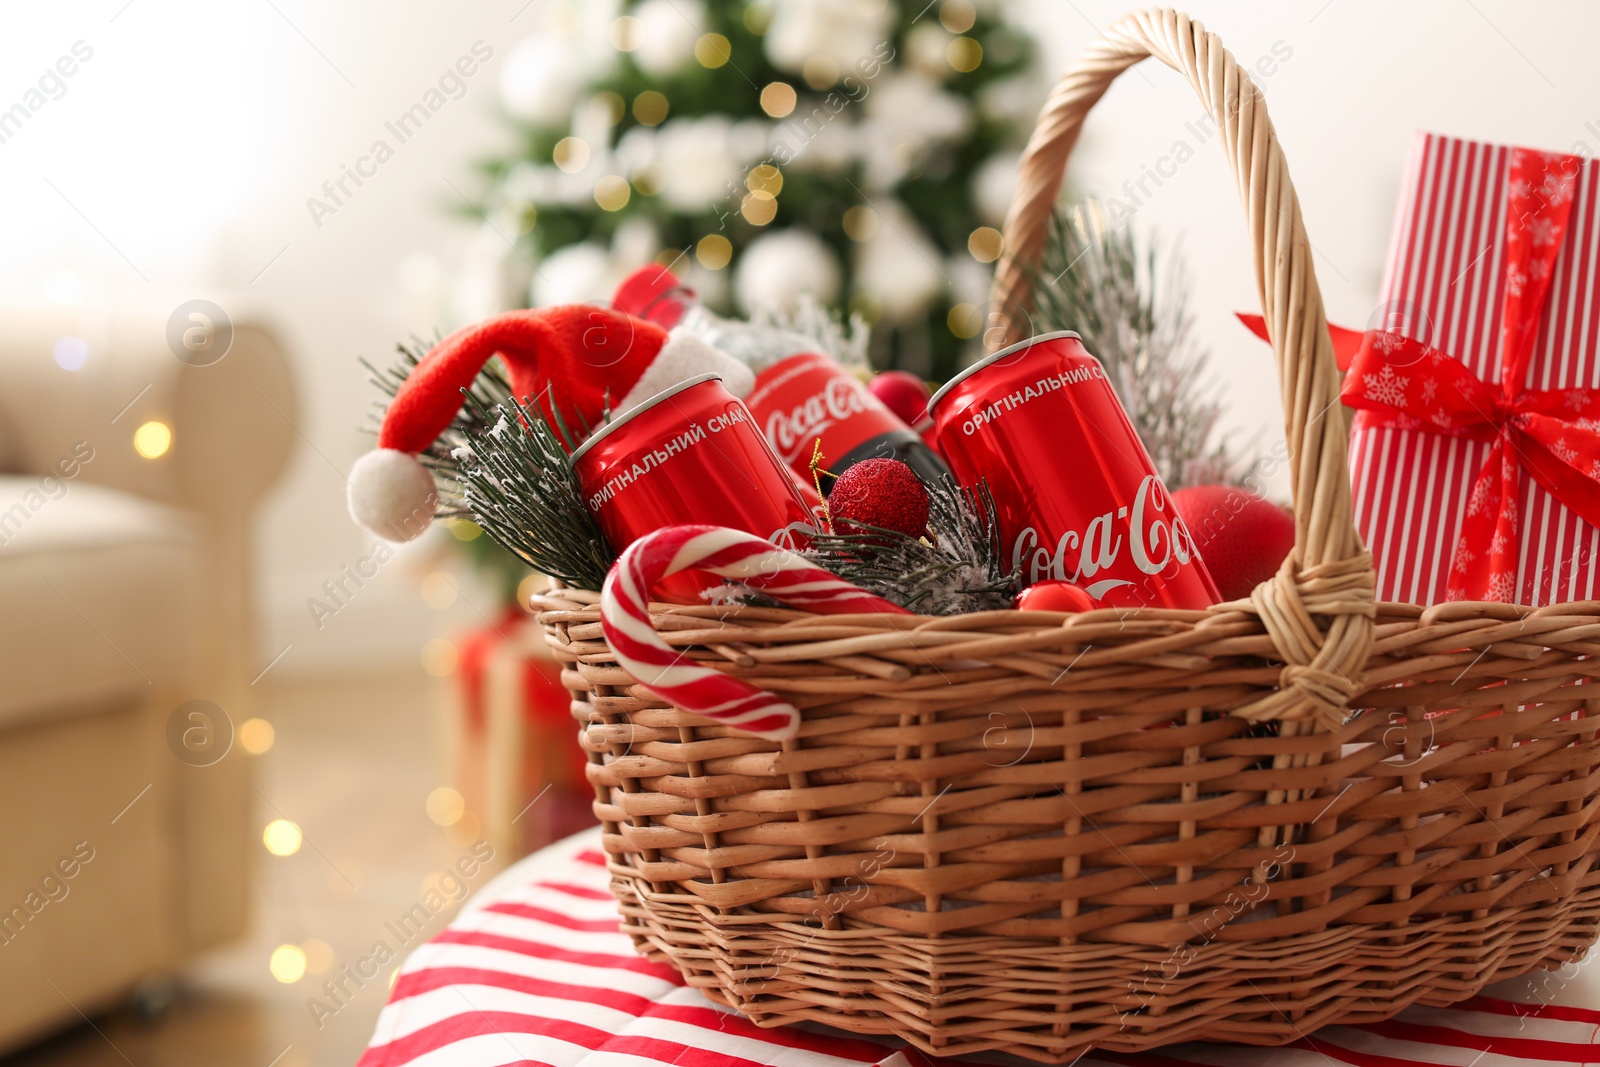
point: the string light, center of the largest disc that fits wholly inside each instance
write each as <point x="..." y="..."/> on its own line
<point x="714" y="251"/>
<point x="650" y="108"/>
<point x="571" y="154"/>
<point x="860" y="222"/>
<point x="778" y="99"/>
<point x="984" y="244"/>
<point x="152" y="440"/>
<point x="964" y="321"/>
<point x="257" y="736"/>
<point x="712" y="50"/>
<point x="611" y="192"/>
<point x="625" y="33"/>
<point x="957" y="16"/>
<point x="438" y="657"/>
<point x="282" y="837"/>
<point x="288" y="964"/>
<point x="445" y="806"/>
<point x="964" y="54"/>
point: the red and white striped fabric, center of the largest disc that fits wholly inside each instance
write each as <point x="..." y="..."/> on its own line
<point x="535" y="972"/>
<point x="1445" y="286"/>
<point x="665" y="671"/>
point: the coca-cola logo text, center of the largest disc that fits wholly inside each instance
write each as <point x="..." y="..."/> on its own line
<point x="1154" y="536"/>
<point x="841" y="399"/>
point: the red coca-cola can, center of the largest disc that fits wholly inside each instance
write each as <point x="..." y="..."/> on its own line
<point x="809" y="398"/>
<point x="1077" y="497"/>
<point x="690" y="454"/>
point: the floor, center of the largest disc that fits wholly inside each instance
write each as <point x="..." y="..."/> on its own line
<point x="353" y="763"/>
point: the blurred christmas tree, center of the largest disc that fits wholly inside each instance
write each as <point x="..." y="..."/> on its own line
<point x="862" y="150"/>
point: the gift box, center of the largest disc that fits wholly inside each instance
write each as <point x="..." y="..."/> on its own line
<point x="1475" y="446"/>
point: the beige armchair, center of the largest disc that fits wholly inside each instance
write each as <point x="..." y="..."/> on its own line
<point x="124" y="593"/>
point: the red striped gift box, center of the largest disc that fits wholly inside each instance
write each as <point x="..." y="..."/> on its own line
<point x="1495" y="261"/>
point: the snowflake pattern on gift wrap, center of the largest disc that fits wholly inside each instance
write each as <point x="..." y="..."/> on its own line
<point x="1577" y="400"/>
<point x="1463" y="556"/>
<point x="1479" y="500"/>
<point x="1389" y="341"/>
<point x="1499" y="543"/>
<point x="1539" y="270"/>
<point x="1386" y="387"/>
<point x="1543" y="231"/>
<point x="1502" y="587"/>
<point x="1430" y="390"/>
<point x="1516" y="281"/>
<point x="1557" y="189"/>
<point x="1594" y="470"/>
<point x="1564" y="452"/>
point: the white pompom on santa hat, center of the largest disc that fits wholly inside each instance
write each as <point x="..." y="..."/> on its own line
<point x="577" y="362"/>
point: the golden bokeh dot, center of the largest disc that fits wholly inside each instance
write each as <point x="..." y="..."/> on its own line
<point x="777" y="99"/>
<point x="647" y="179"/>
<point x="282" y="837"/>
<point x="984" y="244"/>
<point x="257" y="736"/>
<point x="518" y="216"/>
<point x="757" y="17"/>
<point x="957" y="16"/>
<point x="611" y="192"/>
<point x="153" y="439"/>
<point x="571" y="154"/>
<point x="465" y="529"/>
<point x="465" y="831"/>
<point x="650" y="108"/>
<point x="287" y="964"/>
<point x="764" y="179"/>
<point x="625" y="33"/>
<point x="964" y="321"/>
<point x="820" y="71"/>
<point x="712" y="50"/>
<point x="964" y="54"/>
<point x="614" y="105"/>
<point x="445" y="805"/>
<point x="759" y="208"/>
<point x="860" y="222"/>
<point x="714" y="251"/>
<point x="319" y="954"/>
<point x="393" y="975"/>
<point x="439" y="590"/>
<point x="439" y="657"/>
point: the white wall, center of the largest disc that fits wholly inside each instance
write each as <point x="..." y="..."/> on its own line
<point x="194" y="136"/>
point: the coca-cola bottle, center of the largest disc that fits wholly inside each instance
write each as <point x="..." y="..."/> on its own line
<point x="801" y="396"/>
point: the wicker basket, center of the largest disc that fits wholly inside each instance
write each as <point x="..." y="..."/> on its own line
<point x="1039" y="833"/>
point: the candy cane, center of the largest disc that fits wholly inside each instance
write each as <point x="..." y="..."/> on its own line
<point x="668" y="673"/>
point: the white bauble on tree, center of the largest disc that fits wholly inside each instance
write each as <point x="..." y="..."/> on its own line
<point x="777" y="267"/>
<point x="994" y="186"/>
<point x="844" y="31"/>
<point x="696" y="161"/>
<point x="897" y="265"/>
<point x="577" y="274"/>
<point x="541" y="78"/>
<point x="665" y="35"/>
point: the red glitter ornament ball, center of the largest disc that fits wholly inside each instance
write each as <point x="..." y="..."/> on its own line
<point x="879" y="492"/>
<point x="1053" y="595"/>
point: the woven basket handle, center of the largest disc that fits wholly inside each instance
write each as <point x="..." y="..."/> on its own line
<point x="1319" y="608"/>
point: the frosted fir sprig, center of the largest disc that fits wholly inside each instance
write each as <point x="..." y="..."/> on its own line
<point x="1131" y="309"/>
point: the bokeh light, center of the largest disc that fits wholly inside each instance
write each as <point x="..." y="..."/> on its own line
<point x="281" y="837"/>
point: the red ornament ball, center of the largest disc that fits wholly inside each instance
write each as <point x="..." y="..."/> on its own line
<point x="1053" y="595"/>
<point x="879" y="492"/>
<point x="902" y="393"/>
<point x="1242" y="537"/>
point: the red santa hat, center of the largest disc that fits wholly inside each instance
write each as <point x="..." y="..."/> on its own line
<point x="580" y="361"/>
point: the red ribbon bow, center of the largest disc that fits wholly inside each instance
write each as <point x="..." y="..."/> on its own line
<point x="1554" y="434"/>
